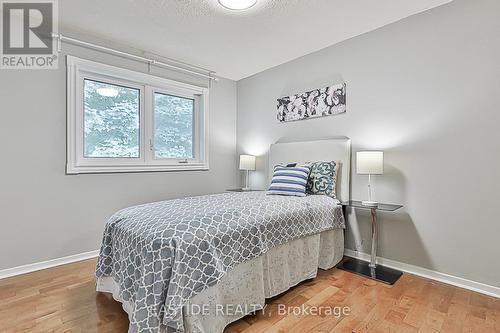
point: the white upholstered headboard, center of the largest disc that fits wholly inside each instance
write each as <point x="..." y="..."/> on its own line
<point x="327" y="149"/>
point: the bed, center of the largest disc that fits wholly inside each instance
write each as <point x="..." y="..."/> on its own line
<point x="197" y="264"/>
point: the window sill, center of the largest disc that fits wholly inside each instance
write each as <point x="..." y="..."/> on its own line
<point x="75" y="170"/>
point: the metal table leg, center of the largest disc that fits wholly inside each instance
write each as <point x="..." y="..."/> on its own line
<point x="370" y="269"/>
<point x="373" y="261"/>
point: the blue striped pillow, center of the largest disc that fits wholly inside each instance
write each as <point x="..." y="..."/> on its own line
<point x="289" y="181"/>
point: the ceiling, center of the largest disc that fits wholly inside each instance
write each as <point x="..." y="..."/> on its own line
<point x="233" y="44"/>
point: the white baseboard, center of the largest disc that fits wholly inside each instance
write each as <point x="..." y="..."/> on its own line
<point x="415" y="270"/>
<point x="9" y="272"/>
<point x="430" y="274"/>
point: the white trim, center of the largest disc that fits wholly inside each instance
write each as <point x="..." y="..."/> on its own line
<point x="430" y="274"/>
<point x="139" y="168"/>
<point x="80" y="69"/>
<point x="415" y="270"/>
<point x="38" y="266"/>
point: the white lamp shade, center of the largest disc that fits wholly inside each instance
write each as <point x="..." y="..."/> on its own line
<point x="247" y="162"/>
<point x="370" y="163"/>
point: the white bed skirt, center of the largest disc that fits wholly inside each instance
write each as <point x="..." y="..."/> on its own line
<point x="245" y="288"/>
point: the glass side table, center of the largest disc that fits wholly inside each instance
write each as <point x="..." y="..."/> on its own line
<point x="371" y="269"/>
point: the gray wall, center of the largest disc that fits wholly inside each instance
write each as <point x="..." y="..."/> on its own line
<point x="426" y="91"/>
<point x="45" y="214"/>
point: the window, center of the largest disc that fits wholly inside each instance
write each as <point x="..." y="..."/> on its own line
<point x="125" y="121"/>
<point x="111" y="120"/>
<point x="174" y="131"/>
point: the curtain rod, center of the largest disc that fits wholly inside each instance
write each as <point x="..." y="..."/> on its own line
<point x="151" y="62"/>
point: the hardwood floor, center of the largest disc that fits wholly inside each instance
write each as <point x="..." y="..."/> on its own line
<point x="63" y="299"/>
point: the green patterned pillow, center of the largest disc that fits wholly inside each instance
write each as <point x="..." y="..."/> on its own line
<point x="323" y="178"/>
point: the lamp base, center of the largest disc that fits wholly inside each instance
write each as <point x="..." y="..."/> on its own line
<point x="369" y="203"/>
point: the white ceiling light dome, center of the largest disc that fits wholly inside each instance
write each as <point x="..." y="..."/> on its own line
<point x="237" y="4"/>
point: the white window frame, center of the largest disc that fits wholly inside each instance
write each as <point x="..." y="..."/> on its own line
<point x="80" y="69"/>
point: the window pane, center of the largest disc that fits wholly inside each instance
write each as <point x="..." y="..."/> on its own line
<point x="173" y="126"/>
<point x="111" y="120"/>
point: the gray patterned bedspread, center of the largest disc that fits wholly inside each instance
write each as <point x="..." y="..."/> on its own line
<point x="164" y="253"/>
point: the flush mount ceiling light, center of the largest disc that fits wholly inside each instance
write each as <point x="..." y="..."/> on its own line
<point x="237" y="4"/>
<point x="107" y="92"/>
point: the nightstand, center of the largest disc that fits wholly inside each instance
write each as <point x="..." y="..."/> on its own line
<point x="371" y="269"/>
<point x="242" y="190"/>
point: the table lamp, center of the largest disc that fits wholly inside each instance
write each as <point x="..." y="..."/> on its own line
<point x="370" y="163"/>
<point x="247" y="163"/>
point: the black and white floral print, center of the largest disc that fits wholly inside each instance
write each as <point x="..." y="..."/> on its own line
<point x="323" y="179"/>
<point x="317" y="103"/>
